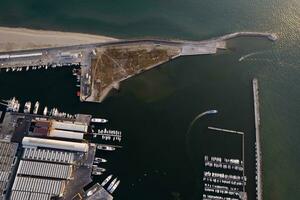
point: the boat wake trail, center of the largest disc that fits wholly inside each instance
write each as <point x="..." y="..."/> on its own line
<point x="249" y="55"/>
<point x="198" y="117"/>
<point x="209" y="112"/>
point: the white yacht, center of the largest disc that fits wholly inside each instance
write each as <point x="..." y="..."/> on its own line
<point x="114" y="187"/>
<point x="105" y="147"/>
<point x="99" y="120"/>
<point x="106" y="180"/>
<point x="27" y="107"/>
<point x="45" y="111"/>
<point x="111" y="184"/>
<point x="36" y="107"/>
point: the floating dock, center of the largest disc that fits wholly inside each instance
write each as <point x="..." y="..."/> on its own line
<point x="244" y="194"/>
<point x="259" y="184"/>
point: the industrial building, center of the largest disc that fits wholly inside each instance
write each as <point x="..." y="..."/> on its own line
<point x="40" y="179"/>
<point x="17" y="195"/>
<point x="47" y="166"/>
<point x="48" y="155"/>
<point x="38" y="185"/>
<point x="40" y="128"/>
<point x="43" y="169"/>
<point x="65" y="134"/>
<point x="54" y="144"/>
<point x="7" y="153"/>
<point x="56" y="129"/>
<point x="66" y="125"/>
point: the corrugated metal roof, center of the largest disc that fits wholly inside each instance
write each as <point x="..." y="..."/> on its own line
<point x="42" y="123"/>
<point x="48" y="155"/>
<point x="44" y="169"/>
<point x="46" y="186"/>
<point x="19" y="195"/>
<point x="40" y="131"/>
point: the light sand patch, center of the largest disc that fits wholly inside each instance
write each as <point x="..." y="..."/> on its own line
<point x="22" y="38"/>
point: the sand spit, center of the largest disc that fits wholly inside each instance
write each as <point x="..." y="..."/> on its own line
<point x="22" y="38"/>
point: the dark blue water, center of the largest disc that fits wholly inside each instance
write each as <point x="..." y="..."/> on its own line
<point x="154" y="109"/>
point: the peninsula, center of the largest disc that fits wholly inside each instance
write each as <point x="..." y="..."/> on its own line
<point x="104" y="62"/>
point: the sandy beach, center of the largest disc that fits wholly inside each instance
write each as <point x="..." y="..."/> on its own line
<point x="22" y="38"/>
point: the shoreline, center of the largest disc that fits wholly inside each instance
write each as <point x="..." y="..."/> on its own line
<point x="217" y="43"/>
<point x="116" y="84"/>
<point x="18" y="39"/>
<point x="13" y="39"/>
<point x="51" y="56"/>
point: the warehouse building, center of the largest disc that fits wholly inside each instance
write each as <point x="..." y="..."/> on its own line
<point x="53" y="128"/>
<point x="8" y="158"/>
<point x="38" y="185"/>
<point x="66" y="134"/>
<point x="66" y="125"/>
<point x="40" y="128"/>
<point x="21" y="195"/>
<point x="54" y="144"/>
<point x="48" y="155"/>
<point x="43" y="169"/>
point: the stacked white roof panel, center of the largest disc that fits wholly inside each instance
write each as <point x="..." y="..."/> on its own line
<point x="44" y="169"/>
<point x="38" y="185"/>
<point x="19" y="195"/>
<point x="40" y="196"/>
<point x="48" y="155"/>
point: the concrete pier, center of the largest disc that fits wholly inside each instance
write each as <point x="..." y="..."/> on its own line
<point x="259" y="183"/>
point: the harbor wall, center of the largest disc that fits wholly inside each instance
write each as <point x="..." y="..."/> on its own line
<point x="259" y="181"/>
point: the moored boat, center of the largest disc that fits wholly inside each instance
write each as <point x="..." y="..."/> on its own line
<point x="106" y="180"/>
<point x="99" y="120"/>
<point x="36" y="107"/>
<point x="105" y="147"/>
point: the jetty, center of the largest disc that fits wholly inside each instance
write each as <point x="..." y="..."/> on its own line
<point x="270" y="36"/>
<point x="259" y="183"/>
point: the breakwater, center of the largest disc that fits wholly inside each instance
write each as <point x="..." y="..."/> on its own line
<point x="259" y="184"/>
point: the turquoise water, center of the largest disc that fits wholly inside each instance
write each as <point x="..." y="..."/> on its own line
<point x="154" y="109"/>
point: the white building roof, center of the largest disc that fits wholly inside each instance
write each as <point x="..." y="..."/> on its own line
<point x="54" y="144"/>
<point x="66" y="134"/>
<point x="66" y="125"/>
